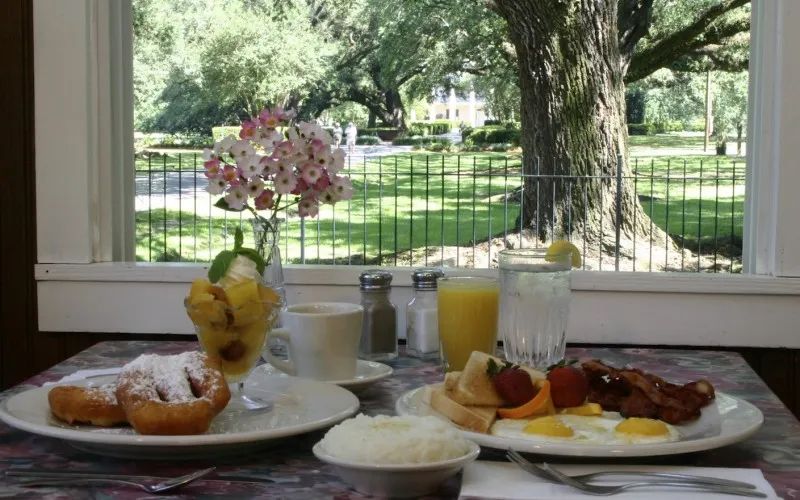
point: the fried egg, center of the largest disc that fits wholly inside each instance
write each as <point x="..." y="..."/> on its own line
<point x="608" y="428"/>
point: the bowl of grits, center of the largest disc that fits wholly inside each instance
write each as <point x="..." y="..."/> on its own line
<point x="405" y="456"/>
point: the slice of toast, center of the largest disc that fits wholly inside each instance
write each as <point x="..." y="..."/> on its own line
<point x="474" y="386"/>
<point x="473" y="418"/>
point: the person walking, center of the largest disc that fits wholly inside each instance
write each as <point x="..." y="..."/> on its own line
<point x="337" y="134"/>
<point x="351" y="133"/>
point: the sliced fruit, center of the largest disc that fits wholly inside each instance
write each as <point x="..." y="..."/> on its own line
<point x="209" y="314"/>
<point x="537" y="404"/>
<point x="200" y="286"/>
<point x="561" y="247"/>
<point x="243" y="293"/>
<point x="199" y="297"/>
<point x="548" y="426"/>
<point x="267" y="294"/>
<point x="586" y="410"/>
<point x="219" y="293"/>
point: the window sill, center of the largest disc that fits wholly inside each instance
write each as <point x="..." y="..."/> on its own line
<point x="618" y="308"/>
<point x="591" y="281"/>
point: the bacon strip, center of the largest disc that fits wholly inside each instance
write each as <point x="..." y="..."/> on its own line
<point x="637" y="394"/>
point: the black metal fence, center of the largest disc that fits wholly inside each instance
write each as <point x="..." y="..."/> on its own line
<point x="457" y="210"/>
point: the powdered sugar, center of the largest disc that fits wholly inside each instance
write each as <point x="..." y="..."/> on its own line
<point x="166" y="378"/>
<point x="106" y="393"/>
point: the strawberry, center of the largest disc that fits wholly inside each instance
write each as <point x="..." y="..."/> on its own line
<point x="512" y="384"/>
<point x="568" y="385"/>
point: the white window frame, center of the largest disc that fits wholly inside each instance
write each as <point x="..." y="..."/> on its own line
<point x="87" y="282"/>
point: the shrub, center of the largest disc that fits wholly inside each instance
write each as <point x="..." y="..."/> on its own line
<point x="667" y="126"/>
<point x="417" y="128"/>
<point x="222" y="131"/>
<point x="420" y="141"/>
<point x="438" y="127"/>
<point x="368" y="140"/>
<point x="177" y="141"/>
<point x="640" y="129"/>
<point x="487" y="123"/>
<point x="492" y="134"/>
<point x="440" y="147"/>
<point x="385" y="133"/>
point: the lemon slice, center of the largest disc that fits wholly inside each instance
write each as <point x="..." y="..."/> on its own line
<point x="561" y="247"/>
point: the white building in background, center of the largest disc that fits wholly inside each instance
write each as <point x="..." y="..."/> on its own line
<point x="471" y="111"/>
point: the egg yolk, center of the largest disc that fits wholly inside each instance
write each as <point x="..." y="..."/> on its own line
<point x="642" y="426"/>
<point x="548" y="426"/>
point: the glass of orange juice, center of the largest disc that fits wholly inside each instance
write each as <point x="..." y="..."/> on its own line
<point x="468" y="308"/>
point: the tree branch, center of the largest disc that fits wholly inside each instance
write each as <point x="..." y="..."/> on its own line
<point x="633" y="21"/>
<point x="670" y="48"/>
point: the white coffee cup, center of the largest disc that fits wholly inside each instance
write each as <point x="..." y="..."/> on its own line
<point x="322" y="340"/>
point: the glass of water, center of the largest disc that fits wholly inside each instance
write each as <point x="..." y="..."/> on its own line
<point x="534" y="305"/>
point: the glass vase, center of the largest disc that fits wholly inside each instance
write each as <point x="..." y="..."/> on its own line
<point x="266" y="233"/>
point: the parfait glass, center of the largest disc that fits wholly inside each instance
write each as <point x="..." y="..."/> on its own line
<point x="235" y="335"/>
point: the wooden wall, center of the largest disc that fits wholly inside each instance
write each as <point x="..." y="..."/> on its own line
<point x="24" y="350"/>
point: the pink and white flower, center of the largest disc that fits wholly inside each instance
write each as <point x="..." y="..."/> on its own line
<point x="329" y="196"/>
<point x="255" y="187"/>
<point x="212" y="169"/>
<point x="208" y="154"/>
<point x="250" y="166"/>
<point x="338" y="161"/>
<point x="230" y="173"/>
<point x="224" y="146"/>
<point x="236" y="197"/>
<point x="216" y="186"/>
<point x="242" y="148"/>
<point x="248" y="130"/>
<point x="284" y="182"/>
<point x="265" y="200"/>
<point x="311" y="173"/>
<point x="308" y="206"/>
<point x="342" y="186"/>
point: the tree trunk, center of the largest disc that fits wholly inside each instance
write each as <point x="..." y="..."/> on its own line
<point x="573" y="120"/>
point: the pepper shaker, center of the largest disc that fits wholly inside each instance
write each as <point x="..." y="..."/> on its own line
<point x="379" y="328"/>
<point x="422" y="320"/>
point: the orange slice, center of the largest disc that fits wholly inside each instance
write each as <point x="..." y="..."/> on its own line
<point x="539" y="403"/>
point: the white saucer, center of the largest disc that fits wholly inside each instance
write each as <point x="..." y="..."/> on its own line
<point x="367" y="373"/>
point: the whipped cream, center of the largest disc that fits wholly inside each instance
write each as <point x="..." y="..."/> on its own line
<point x="241" y="269"/>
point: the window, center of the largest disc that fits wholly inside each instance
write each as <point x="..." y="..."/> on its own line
<point x="88" y="282"/>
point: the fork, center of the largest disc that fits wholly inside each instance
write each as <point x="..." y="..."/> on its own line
<point x="656" y="476"/>
<point x="161" y="487"/>
<point x="546" y="472"/>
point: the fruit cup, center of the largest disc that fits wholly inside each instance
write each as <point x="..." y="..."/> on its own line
<point x="232" y="324"/>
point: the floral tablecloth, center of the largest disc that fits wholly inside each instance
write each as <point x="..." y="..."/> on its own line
<point x="289" y="470"/>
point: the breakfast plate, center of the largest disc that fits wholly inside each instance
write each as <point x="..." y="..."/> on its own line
<point x="367" y="373"/>
<point x="725" y="421"/>
<point x="297" y="406"/>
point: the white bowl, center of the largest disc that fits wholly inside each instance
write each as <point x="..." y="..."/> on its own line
<point x="397" y="480"/>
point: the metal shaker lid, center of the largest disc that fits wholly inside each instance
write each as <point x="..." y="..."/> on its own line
<point x="426" y="277"/>
<point x="375" y="279"/>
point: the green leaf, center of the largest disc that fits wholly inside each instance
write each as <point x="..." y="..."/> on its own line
<point x="255" y="257"/>
<point x="238" y="239"/>
<point x="221" y="203"/>
<point x="493" y="369"/>
<point x="220" y="265"/>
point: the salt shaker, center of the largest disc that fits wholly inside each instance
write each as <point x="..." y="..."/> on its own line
<point x="379" y="329"/>
<point x="422" y="322"/>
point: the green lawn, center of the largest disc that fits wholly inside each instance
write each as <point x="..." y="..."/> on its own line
<point x="411" y="201"/>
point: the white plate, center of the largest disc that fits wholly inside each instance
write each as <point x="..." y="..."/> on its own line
<point x="298" y="406"/>
<point x="726" y="421"/>
<point x="397" y="480"/>
<point x="367" y="373"/>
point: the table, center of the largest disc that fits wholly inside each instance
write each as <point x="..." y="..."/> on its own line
<point x="775" y="448"/>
